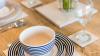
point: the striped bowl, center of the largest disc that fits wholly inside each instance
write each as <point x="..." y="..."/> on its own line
<point x="41" y="49"/>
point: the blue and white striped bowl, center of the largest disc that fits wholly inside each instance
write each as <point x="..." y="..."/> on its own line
<point x="61" y="42"/>
<point x="41" y="49"/>
<point x="37" y="51"/>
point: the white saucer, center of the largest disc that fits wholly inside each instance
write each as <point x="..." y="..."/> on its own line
<point x="82" y="40"/>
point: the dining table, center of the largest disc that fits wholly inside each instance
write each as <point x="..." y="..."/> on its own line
<point x="34" y="18"/>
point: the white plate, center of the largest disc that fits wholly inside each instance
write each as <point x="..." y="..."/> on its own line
<point x="60" y="18"/>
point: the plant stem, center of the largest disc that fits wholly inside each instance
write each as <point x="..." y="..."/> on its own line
<point x="67" y="4"/>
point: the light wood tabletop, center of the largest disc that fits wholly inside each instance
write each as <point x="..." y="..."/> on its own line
<point x="35" y="18"/>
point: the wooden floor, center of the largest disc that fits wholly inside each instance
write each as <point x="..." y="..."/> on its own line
<point x="35" y="18"/>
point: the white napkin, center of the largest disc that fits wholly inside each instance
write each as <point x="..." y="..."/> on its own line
<point x="4" y="11"/>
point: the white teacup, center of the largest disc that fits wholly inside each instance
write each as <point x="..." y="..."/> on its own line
<point x="39" y="49"/>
